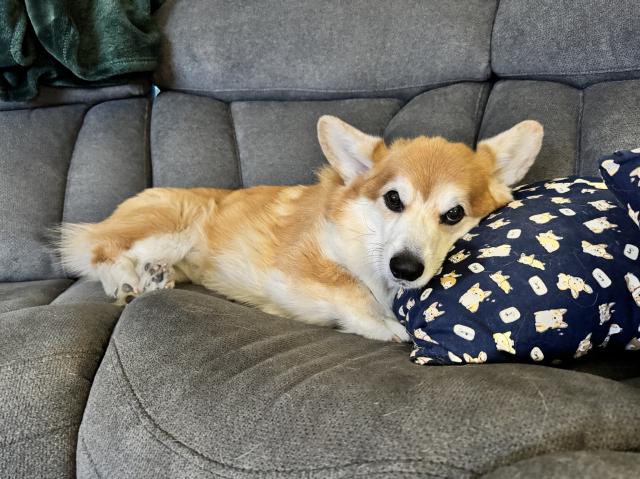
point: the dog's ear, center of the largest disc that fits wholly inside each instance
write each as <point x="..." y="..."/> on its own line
<point x="348" y="150"/>
<point x="515" y="150"/>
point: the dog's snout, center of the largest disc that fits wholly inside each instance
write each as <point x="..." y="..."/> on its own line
<point x="407" y="266"/>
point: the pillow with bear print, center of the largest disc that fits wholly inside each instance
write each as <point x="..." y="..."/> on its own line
<point x="553" y="275"/>
<point x="621" y="173"/>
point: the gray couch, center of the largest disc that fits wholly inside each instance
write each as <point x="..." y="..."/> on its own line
<point x="186" y="384"/>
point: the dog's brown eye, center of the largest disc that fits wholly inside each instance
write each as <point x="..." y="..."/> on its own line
<point x="393" y="201"/>
<point x="453" y="216"/>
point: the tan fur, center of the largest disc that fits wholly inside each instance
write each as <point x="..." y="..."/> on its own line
<point x="271" y="234"/>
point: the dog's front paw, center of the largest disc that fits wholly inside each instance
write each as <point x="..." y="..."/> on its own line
<point x="157" y="276"/>
<point x="400" y="334"/>
<point x="125" y="293"/>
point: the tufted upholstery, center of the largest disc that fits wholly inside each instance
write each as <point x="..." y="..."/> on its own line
<point x="190" y="385"/>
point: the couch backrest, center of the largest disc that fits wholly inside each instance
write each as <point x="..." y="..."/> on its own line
<point x="242" y="87"/>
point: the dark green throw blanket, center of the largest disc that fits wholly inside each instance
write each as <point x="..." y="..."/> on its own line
<point x="71" y="42"/>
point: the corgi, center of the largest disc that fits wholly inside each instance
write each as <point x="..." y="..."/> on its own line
<point x="380" y="217"/>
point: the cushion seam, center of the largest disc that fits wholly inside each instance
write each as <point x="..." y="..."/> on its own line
<point x="117" y="363"/>
<point x="236" y="147"/>
<point x="570" y="74"/>
<point x="426" y="86"/>
<point x="578" y="158"/>
<point x="83" y="445"/>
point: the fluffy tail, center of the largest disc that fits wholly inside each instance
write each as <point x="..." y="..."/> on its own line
<point x="74" y="247"/>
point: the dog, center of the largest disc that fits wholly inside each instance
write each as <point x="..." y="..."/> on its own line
<point x="333" y="253"/>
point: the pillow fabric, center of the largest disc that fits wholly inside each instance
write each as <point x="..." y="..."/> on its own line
<point x="552" y="275"/>
<point x="621" y="173"/>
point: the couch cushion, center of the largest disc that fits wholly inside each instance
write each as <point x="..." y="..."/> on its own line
<point x="15" y="296"/>
<point x="573" y="42"/>
<point x="580" y="126"/>
<point x="48" y="356"/>
<point x="71" y="162"/>
<point x="334" y="49"/>
<point x="199" y="141"/>
<point x="193" y="386"/>
<point x="573" y="465"/>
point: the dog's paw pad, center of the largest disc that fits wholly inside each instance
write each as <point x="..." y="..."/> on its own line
<point x="157" y="276"/>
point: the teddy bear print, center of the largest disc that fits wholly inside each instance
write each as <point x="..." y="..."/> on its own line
<point x="469" y="236"/>
<point x="494" y="251"/>
<point x="550" y="319"/>
<point x="481" y="358"/>
<point x="533" y="197"/>
<point x="633" y="345"/>
<point x="559" y="200"/>
<point x="549" y="241"/>
<point x="587" y="190"/>
<point x="635" y="173"/>
<point x="411" y="303"/>
<point x="499" y="224"/>
<point x="542" y="218"/>
<point x="502" y="281"/>
<point x="633" y="285"/>
<point x="602" y="205"/>
<point x="559" y="187"/>
<point x="613" y="329"/>
<point x="448" y="280"/>
<point x="459" y="256"/>
<point x="432" y="312"/>
<point x="606" y="310"/>
<point x="530" y="260"/>
<point x="473" y="297"/>
<point x="610" y="166"/>
<point x="598" y="185"/>
<point x="515" y="204"/>
<point x="504" y="342"/>
<point x="598" y="225"/>
<point x="422" y="335"/>
<point x="597" y="250"/>
<point x="574" y="284"/>
<point x="633" y="215"/>
<point x="584" y="346"/>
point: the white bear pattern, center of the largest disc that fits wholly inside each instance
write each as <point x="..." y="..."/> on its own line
<point x="539" y="244"/>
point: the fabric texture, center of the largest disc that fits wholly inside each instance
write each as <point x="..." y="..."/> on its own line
<point x="36" y="150"/>
<point x="110" y="160"/>
<point x="14" y="296"/>
<point x="246" y="394"/>
<point x="574" y="42"/>
<point x="193" y="143"/>
<point x="301" y="51"/>
<point x="552" y="275"/>
<point x="61" y="40"/>
<point x="453" y="112"/>
<point x="48" y="356"/>
<point x="573" y="465"/>
<point x="278" y="141"/>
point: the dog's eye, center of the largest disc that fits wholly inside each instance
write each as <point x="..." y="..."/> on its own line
<point x="453" y="216"/>
<point x="393" y="201"/>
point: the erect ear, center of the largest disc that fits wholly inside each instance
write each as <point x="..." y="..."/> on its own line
<point x="348" y="150"/>
<point x="515" y="150"/>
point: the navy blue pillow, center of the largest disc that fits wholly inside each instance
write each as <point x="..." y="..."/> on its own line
<point x="552" y="275"/>
<point x="621" y="173"/>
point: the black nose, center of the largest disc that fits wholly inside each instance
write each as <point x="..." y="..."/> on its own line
<point x="406" y="266"/>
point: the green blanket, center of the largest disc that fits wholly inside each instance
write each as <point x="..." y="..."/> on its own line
<point x="72" y="42"/>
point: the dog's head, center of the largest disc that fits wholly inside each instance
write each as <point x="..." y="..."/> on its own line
<point x="400" y="208"/>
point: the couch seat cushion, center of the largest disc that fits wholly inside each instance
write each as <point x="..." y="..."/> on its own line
<point x="25" y="294"/>
<point x="195" y="386"/>
<point x="48" y="356"/>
